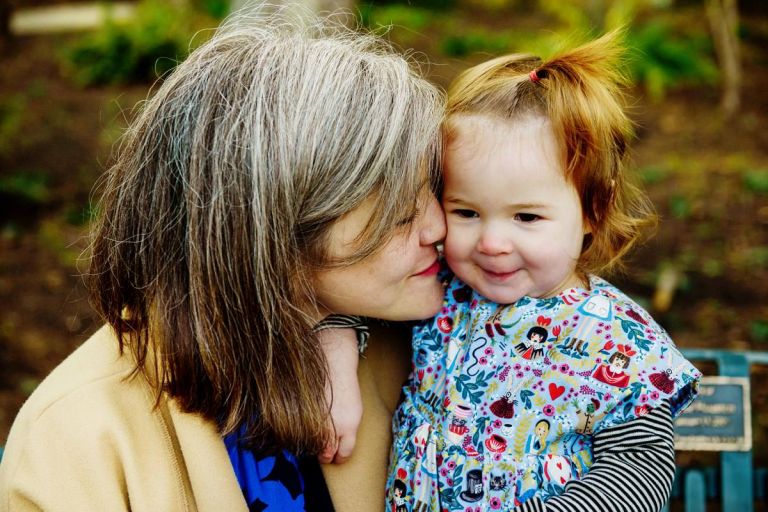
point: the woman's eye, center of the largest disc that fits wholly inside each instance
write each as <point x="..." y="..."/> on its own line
<point x="527" y="217"/>
<point x="408" y="220"/>
<point x="466" y="214"/>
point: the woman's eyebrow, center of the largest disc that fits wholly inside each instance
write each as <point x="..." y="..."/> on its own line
<point x="426" y="184"/>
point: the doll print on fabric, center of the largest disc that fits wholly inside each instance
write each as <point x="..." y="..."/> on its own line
<point x="533" y="354"/>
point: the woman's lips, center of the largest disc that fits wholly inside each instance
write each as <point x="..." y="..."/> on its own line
<point x="430" y="270"/>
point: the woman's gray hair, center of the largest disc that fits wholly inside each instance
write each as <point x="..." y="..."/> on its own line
<point x="216" y="212"/>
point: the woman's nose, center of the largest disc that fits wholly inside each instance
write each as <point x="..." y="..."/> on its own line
<point x="432" y="229"/>
<point x="494" y="241"/>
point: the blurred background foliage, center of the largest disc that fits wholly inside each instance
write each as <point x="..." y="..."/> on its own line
<point x="667" y="50"/>
<point x="139" y="51"/>
<point x="66" y="98"/>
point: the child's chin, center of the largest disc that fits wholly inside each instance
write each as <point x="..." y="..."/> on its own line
<point x="501" y="296"/>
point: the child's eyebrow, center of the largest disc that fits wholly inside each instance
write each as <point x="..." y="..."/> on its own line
<point x="454" y="199"/>
<point x="526" y="206"/>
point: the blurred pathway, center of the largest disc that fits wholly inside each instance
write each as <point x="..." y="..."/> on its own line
<point x="68" y="18"/>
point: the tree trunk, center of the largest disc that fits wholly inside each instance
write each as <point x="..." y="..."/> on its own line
<point x="724" y="19"/>
<point x="6" y="8"/>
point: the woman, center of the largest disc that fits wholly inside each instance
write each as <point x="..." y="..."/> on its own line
<point x="277" y="176"/>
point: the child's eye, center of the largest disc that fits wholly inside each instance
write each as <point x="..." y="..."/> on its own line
<point x="466" y="214"/>
<point x="527" y="217"/>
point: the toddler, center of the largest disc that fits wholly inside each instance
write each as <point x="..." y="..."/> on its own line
<point x="539" y="386"/>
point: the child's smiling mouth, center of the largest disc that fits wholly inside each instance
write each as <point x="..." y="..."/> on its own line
<point x="498" y="276"/>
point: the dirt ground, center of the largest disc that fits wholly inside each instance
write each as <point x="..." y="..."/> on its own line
<point x="703" y="173"/>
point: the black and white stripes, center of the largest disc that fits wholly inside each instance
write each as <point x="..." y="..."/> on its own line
<point x="634" y="465"/>
<point x="347" y="321"/>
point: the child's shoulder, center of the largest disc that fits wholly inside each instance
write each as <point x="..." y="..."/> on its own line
<point x="638" y="355"/>
<point x="621" y="304"/>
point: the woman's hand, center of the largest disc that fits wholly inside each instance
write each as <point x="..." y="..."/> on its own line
<point x="343" y="393"/>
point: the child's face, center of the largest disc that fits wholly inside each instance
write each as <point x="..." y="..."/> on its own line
<point x="515" y="226"/>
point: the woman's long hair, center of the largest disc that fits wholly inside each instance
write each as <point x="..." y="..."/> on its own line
<point x="216" y="212"/>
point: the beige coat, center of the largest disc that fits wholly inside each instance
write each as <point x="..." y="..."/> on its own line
<point x="89" y="439"/>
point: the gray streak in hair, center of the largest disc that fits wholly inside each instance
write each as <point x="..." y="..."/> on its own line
<point x="216" y="212"/>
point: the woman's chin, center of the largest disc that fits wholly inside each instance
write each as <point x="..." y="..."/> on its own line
<point x="419" y="306"/>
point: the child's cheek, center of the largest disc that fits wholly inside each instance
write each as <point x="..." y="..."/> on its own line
<point x="455" y="244"/>
<point x="456" y="255"/>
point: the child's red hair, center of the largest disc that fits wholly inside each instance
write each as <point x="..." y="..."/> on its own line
<point x="581" y="93"/>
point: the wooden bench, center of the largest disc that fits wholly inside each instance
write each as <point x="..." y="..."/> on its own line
<point x="736" y="483"/>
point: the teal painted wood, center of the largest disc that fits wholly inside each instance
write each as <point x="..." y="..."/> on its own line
<point x="736" y="480"/>
<point x="676" y="490"/>
<point x="736" y="472"/>
<point x="695" y="491"/>
<point x="708" y="354"/>
<point x="761" y="481"/>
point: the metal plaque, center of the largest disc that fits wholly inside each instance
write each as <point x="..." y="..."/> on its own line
<point x="719" y="419"/>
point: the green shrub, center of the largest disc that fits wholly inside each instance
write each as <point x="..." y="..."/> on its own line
<point x="756" y="181"/>
<point x="11" y="114"/>
<point x="759" y="330"/>
<point x="149" y="46"/>
<point x="663" y="58"/>
<point x="80" y="216"/>
<point x="397" y="16"/>
<point x="653" y="174"/>
<point x="680" y="207"/>
<point x="217" y="9"/>
<point x="433" y="5"/>
<point x="474" y="41"/>
<point x="27" y="185"/>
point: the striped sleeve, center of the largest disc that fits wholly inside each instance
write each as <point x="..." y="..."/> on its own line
<point x="633" y="470"/>
<point x="350" y="322"/>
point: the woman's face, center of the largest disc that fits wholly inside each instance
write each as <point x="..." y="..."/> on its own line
<point x="399" y="281"/>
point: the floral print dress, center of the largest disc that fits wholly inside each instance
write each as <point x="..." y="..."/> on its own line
<point x="503" y="400"/>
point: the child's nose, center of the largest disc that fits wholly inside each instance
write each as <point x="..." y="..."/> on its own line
<point x="494" y="241"/>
